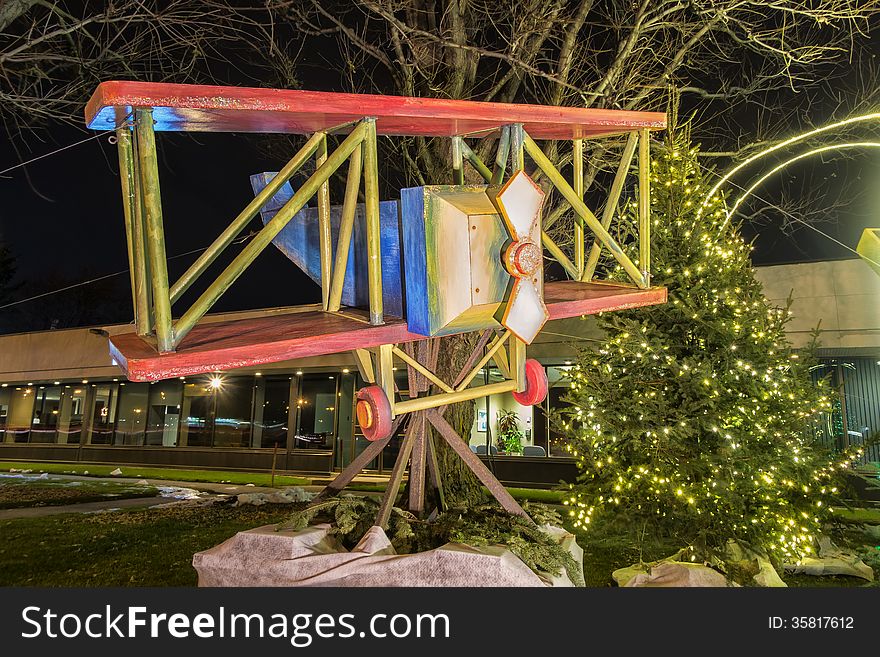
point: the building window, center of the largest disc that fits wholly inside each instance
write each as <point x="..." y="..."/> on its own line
<point x="100" y="431"/>
<point x="163" y="417"/>
<point x="132" y="418"/>
<point x="47" y="407"/>
<point x="15" y="414"/>
<point x="196" y="415"/>
<point x="316" y="405"/>
<point x="20" y="414"/>
<point x="271" y="411"/>
<point x="232" y="412"/>
<point x="70" y="420"/>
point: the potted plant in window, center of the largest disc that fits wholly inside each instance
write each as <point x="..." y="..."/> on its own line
<point x="510" y="436"/>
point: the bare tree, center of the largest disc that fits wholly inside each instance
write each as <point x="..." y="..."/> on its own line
<point x="53" y="54"/>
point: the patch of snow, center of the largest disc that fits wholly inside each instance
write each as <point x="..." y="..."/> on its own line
<point x="142" y="482"/>
<point x="22" y="475"/>
<point x="178" y="493"/>
<point x="286" y="496"/>
<point x="116" y="472"/>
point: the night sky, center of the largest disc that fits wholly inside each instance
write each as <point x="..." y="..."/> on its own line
<point x="62" y="219"/>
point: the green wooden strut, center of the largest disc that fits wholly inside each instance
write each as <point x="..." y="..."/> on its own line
<point x="134" y="228"/>
<point x="262" y="239"/>
<point x="582" y="212"/>
<point x="149" y="173"/>
<point x="324" y="233"/>
<point x="244" y="217"/>
<point x="371" y="212"/>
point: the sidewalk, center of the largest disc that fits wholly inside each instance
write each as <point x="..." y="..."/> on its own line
<point x="215" y="489"/>
<point x="85" y="507"/>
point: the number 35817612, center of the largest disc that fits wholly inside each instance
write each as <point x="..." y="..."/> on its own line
<point x="811" y="623"/>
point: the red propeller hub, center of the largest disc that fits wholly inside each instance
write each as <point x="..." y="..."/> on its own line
<point x="523" y="258"/>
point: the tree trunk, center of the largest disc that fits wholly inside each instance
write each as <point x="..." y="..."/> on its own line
<point x="460" y="485"/>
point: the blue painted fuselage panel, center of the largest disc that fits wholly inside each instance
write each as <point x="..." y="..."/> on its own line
<point x="299" y="241"/>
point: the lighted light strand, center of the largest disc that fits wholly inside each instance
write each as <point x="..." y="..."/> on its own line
<point x="779" y="167"/>
<point x="873" y="116"/>
<point x="751" y="472"/>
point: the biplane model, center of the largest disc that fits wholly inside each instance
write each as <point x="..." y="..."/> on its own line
<point x="395" y="275"/>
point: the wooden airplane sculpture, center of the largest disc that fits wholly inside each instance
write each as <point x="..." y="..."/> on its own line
<point x="396" y="275"/>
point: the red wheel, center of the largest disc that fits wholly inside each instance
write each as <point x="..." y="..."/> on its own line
<point x="536" y="384"/>
<point x="373" y="413"/>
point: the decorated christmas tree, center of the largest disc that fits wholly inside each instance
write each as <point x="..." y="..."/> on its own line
<point x="692" y="420"/>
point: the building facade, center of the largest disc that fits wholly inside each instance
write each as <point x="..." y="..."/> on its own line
<point x="62" y="398"/>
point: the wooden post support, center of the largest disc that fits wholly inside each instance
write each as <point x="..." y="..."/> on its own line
<point x="457" y="161"/>
<point x="611" y="203"/>
<point x="385" y="372"/>
<point x="476" y="466"/>
<point x="134" y="227"/>
<point x="346" y="226"/>
<point x="417" y="466"/>
<point x="518" y="362"/>
<point x="578" y="173"/>
<point x="371" y="213"/>
<point x="393" y="487"/>
<point x="364" y="362"/>
<point x="155" y="231"/>
<point x="434" y="469"/>
<point x="324" y="234"/>
<point x="501" y="155"/>
<point x="445" y="398"/>
<point x="517" y="143"/>
<point x="357" y="464"/>
<point x="645" y="205"/>
<point x="475" y="161"/>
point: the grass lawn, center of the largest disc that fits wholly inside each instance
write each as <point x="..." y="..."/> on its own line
<point x="155" y="547"/>
<point x="858" y="516"/>
<point x="541" y="495"/>
<point x="22" y="492"/>
<point x="171" y="474"/>
<point x="123" y="548"/>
